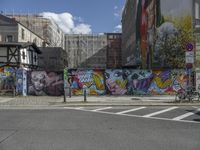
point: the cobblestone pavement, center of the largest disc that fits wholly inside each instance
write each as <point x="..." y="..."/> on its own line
<point x="30" y="101"/>
<point x="91" y="100"/>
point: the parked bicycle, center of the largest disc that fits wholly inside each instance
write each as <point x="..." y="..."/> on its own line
<point x="189" y="94"/>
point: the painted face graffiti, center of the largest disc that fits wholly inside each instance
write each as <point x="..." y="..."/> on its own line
<point x="115" y="83"/>
<point x="43" y="83"/>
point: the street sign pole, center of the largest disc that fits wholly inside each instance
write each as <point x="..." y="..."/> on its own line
<point x="189" y="55"/>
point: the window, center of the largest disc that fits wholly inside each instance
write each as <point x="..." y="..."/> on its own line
<point x="22" y="34"/>
<point x="35" y="40"/>
<point x="0" y="38"/>
<point x="197" y="10"/>
<point x="35" y="58"/>
<point x="23" y="55"/>
<point x="9" y="38"/>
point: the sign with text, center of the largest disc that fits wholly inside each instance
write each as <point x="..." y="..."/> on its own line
<point x="189" y="56"/>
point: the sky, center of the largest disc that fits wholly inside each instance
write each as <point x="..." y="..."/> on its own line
<point x="73" y="16"/>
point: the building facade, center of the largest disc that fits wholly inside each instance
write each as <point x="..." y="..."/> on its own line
<point x="53" y="59"/>
<point x="155" y="33"/>
<point x="19" y="55"/>
<point x="13" y="31"/>
<point x="113" y="58"/>
<point x="86" y="51"/>
<point x="46" y="28"/>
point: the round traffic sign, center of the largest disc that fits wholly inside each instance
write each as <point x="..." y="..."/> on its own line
<point x="189" y="46"/>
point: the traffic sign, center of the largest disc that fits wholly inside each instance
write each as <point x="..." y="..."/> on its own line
<point x="189" y="46"/>
<point x="189" y="57"/>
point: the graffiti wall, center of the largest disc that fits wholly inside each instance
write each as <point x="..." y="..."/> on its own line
<point x="24" y="82"/>
<point x="97" y="82"/>
<point x="92" y="80"/>
<point x="198" y="80"/>
<point x="168" y="82"/>
<point x="45" y="83"/>
<point x="127" y="82"/>
<point x="19" y="82"/>
<point x="162" y="32"/>
<point x="115" y="82"/>
<point x="139" y="81"/>
<point x="7" y="78"/>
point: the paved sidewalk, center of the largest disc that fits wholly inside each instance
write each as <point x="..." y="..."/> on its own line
<point x="51" y="101"/>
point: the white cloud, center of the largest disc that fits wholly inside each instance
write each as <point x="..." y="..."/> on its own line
<point x="82" y="28"/>
<point x="68" y="23"/>
<point x="118" y="28"/>
<point x="118" y="11"/>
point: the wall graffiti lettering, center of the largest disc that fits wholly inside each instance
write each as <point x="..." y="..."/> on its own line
<point x="92" y="79"/>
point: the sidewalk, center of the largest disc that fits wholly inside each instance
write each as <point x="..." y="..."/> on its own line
<point x="47" y="101"/>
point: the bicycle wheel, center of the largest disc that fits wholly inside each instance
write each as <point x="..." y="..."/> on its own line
<point x="180" y="96"/>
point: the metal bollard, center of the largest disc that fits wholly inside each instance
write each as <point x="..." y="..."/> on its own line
<point x="64" y="96"/>
<point x="85" y="93"/>
<point x="70" y="94"/>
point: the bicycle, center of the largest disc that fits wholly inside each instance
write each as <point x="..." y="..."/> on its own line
<point x="187" y="94"/>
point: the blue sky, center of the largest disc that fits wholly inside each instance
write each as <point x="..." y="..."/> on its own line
<point x="95" y="16"/>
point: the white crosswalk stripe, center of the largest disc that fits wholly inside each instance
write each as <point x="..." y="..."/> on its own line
<point x="104" y="108"/>
<point x="160" y="112"/>
<point x="126" y="111"/>
<point x="130" y="110"/>
<point x="186" y="115"/>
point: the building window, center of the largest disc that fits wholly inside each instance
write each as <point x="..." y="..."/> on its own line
<point x="110" y="36"/>
<point x="9" y="38"/>
<point x="35" y="40"/>
<point x="23" y="34"/>
<point x="197" y="10"/>
<point x="35" y="58"/>
<point x="23" y="55"/>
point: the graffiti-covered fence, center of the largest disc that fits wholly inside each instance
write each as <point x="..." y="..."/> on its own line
<point x="93" y="80"/>
<point x="13" y="79"/>
<point x="41" y="83"/>
<point x="127" y="81"/>
<point x="7" y="78"/>
<point x="97" y="82"/>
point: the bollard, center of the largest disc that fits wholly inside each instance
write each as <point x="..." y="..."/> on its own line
<point x="70" y="94"/>
<point x="64" y="96"/>
<point x="85" y="93"/>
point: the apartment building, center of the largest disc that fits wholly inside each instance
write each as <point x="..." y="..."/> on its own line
<point x="46" y="28"/>
<point x="13" y="31"/>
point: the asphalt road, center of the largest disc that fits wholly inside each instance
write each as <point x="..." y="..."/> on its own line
<point x="99" y="129"/>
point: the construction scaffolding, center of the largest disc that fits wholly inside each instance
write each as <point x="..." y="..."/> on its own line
<point x="44" y="27"/>
<point x="86" y="51"/>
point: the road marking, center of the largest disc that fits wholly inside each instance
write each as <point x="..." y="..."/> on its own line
<point x="137" y="116"/>
<point x="160" y="112"/>
<point x="73" y="108"/>
<point x="130" y="110"/>
<point x="99" y="109"/>
<point x="186" y="115"/>
<point x="6" y="100"/>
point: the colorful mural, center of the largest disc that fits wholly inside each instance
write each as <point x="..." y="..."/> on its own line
<point x="7" y="78"/>
<point x="93" y="80"/>
<point x="19" y="82"/>
<point x="97" y="82"/>
<point x="45" y="83"/>
<point x="168" y="82"/>
<point x="115" y="82"/>
<point x="162" y="32"/>
<point x="198" y="80"/>
<point x="139" y="81"/>
<point x="24" y="82"/>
